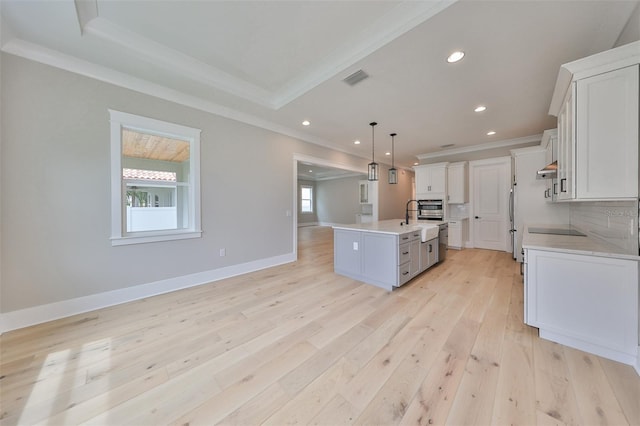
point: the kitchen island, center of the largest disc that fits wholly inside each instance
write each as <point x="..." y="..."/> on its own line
<point x="582" y="292"/>
<point x="386" y="253"/>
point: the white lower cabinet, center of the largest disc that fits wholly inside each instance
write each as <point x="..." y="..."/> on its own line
<point x="583" y="301"/>
<point x="429" y="254"/>
<point x="458" y="233"/>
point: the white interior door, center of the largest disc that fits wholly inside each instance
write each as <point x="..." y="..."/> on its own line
<point x="489" y="203"/>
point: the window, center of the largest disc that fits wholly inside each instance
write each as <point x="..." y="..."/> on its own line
<point x="155" y="180"/>
<point x="306" y="199"/>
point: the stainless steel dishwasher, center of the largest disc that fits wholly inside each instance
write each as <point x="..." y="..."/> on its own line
<point x="443" y="237"/>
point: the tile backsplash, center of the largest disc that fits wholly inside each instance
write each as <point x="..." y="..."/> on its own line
<point x="458" y="211"/>
<point x="615" y="222"/>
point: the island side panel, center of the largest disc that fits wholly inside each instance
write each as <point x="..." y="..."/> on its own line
<point x="380" y="259"/>
<point x="347" y="255"/>
<point x="366" y="256"/>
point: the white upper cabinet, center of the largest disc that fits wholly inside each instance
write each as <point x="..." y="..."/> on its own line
<point x="431" y="180"/>
<point x="457" y="178"/>
<point x="550" y="142"/>
<point x="596" y="101"/>
<point x="607" y="135"/>
<point x="566" y="148"/>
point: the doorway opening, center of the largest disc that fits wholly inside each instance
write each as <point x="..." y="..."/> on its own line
<point x="313" y="169"/>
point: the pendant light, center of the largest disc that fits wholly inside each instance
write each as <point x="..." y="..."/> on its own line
<point x="373" y="166"/>
<point x="393" y="173"/>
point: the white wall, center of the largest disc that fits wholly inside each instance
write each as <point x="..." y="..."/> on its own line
<point x="392" y="199"/>
<point x="55" y="159"/>
<point x="337" y="200"/>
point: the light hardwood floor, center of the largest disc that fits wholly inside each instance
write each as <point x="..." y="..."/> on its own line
<point x="299" y="344"/>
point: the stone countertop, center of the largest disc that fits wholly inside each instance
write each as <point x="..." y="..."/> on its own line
<point x="391" y="226"/>
<point x="572" y="244"/>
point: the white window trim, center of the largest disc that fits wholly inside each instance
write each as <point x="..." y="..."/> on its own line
<point x="312" y="196"/>
<point x="120" y="120"/>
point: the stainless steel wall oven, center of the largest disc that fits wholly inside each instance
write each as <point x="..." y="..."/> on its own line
<point x="430" y="210"/>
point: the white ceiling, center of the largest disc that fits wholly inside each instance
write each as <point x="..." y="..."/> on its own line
<point x="277" y="63"/>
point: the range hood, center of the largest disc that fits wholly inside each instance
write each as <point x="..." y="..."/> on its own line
<point x="550" y="171"/>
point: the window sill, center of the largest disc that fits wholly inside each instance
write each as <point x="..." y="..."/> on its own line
<point x="141" y="239"/>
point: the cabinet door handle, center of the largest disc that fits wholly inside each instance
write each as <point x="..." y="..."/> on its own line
<point x="562" y="188"/>
<point x="430" y="248"/>
<point x="405" y="252"/>
<point x="405" y="238"/>
<point x="555" y="188"/>
<point x="477" y="217"/>
<point x="405" y="272"/>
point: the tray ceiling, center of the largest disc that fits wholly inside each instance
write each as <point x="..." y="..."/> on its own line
<point x="276" y="63"/>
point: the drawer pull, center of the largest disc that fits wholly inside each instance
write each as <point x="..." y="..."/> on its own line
<point x="405" y="272"/>
<point x="405" y="252"/>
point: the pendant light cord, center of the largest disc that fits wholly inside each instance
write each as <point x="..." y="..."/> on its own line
<point x="393" y="154"/>
<point x="373" y="141"/>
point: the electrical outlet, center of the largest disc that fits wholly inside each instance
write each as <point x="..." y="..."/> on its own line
<point x="288" y="213"/>
<point x="355" y="245"/>
<point x="223" y="252"/>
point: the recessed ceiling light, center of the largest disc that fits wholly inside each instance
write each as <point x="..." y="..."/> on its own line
<point x="387" y="153"/>
<point x="356" y="142"/>
<point x="455" y="56"/>
<point x="491" y="133"/>
<point x="415" y="164"/>
<point x="310" y="171"/>
<point x="306" y="122"/>
<point x="480" y="108"/>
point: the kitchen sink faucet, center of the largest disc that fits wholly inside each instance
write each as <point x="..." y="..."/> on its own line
<point x="406" y="215"/>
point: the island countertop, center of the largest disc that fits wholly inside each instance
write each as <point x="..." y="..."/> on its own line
<point x="390" y="226"/>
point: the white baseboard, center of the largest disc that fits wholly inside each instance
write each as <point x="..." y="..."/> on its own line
<point x="632" y="359"/>
<point x="38" y="314"/>
<point x="303" y="224"/>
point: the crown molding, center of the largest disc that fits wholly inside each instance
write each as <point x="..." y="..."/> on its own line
<point x="74" y="65"/>
<point x="482" y="147"/>
<point x="86" y="11"/>
<point x="609" y="60"/>
<point x="326" y="178"/>
<point x="404" y="17"/>
<point x="176" y="62"/>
